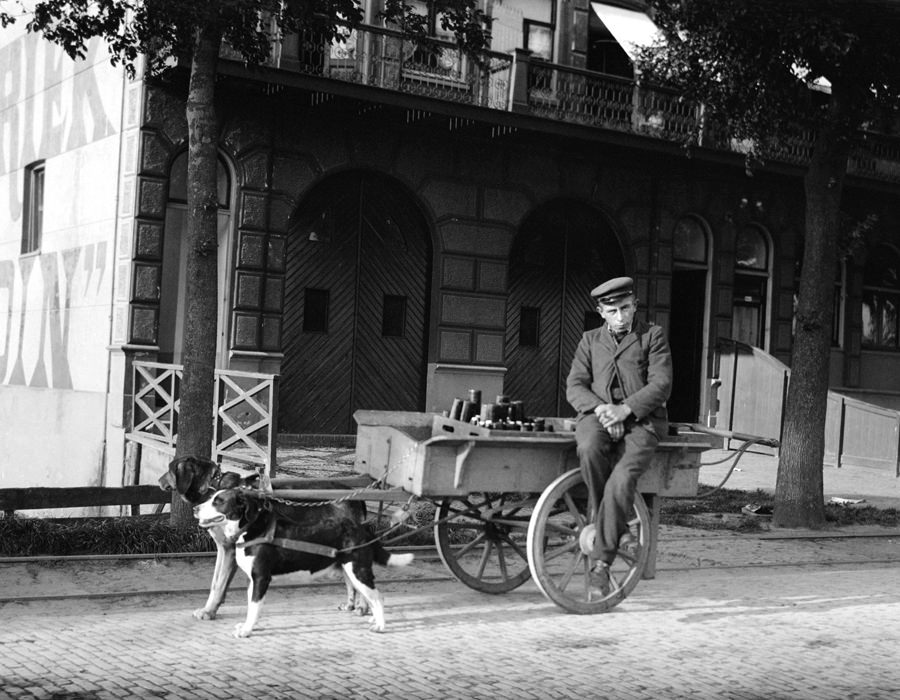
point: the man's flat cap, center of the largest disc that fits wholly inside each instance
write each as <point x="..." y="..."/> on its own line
<point x="613" y="289"/>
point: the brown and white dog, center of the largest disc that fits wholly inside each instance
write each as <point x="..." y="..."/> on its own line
<point x="195" y="479"/>
<point x="273" y="537"/>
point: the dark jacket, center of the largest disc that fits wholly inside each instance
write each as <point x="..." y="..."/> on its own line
<point x="644" y="365"/>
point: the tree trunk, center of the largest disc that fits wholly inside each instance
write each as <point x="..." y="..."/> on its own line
<point x="799" y="498"/>
<point x="196" y="414"/>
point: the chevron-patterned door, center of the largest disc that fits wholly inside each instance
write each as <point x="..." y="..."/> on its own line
<point x="562" y="251"/>
<point x="355" y="314"/>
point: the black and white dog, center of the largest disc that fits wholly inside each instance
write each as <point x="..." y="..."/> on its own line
<point x="196" y="479"/>
<point x="273" y="537"/>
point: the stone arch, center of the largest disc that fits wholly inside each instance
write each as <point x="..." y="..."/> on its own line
<point x="172" y="307"/>
<point x="562" y="250"/>
<point x="357" y="301"/>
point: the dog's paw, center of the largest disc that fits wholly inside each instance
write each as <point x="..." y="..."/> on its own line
<point x="242" y="630"/>
<point x="204" y="614"/>
<point x="376" y="627"/>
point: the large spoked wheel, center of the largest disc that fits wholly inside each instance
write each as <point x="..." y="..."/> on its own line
<point x="481" y="539"/>
<point x="560" y="539"/>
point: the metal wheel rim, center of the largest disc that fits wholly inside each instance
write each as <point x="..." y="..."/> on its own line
<point x="558" y="565"/>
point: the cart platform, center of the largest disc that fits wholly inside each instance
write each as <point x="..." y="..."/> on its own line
<point x="429" y="455"/>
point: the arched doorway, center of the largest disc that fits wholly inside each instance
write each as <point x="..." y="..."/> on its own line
<point x="563" y="250"/>
<point x="356" y="304"/>
<point x="173" y="285"/>
<point x="690" y="274"/>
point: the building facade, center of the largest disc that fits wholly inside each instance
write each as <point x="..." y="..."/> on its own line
<point x="400" y="225"/>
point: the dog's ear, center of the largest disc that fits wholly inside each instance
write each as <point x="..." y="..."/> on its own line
<point x="248" y="506"/>
<point x="184" y="468"/>
<point x="230" y="480"/>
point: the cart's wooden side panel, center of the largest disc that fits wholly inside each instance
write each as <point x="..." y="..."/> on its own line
<point x="454" y="467"/>
<point x="387" y="454"/>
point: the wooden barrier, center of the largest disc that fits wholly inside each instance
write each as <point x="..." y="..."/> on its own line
<point x="245" y="411"/>
<point x="41" y="498"/>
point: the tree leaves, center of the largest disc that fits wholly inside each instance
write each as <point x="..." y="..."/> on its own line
<point x="162" y="30"/>
<point x="765" y="66"/>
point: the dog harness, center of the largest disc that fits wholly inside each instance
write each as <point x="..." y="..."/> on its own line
<point x="297" y="545"/>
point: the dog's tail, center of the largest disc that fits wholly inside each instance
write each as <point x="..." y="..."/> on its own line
<point x="385" y="558"/>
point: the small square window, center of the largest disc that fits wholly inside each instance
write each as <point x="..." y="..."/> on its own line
<point x="539" y="40"/>
<point x="33" y="215"/>
<point x="315" y="310"/>
<point x="393" y="317"/>
<point x="529" y="327"/>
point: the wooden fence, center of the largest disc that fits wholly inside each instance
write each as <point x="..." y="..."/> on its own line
<point x="41" y="498"/>
<point x="245" y="412"/>
<point x="752" y="390"/>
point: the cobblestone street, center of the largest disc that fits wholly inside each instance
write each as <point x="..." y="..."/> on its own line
<point x="817" y="632"/>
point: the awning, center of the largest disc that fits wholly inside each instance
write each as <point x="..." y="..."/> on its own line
<point x="630" y="28"/>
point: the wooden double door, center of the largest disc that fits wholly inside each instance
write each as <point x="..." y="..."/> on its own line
<point x="562" y="251"/>
<point x="356" y="305"/>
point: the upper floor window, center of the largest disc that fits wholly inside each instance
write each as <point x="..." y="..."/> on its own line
<point x="881" y="298"/>
<point x="689" y="243"/>
<point x="751" y="282"/>
<point x="33" y="213"/>
<point x="539" y="39"/>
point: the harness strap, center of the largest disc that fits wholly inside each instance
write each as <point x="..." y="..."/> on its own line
<point x="297" y="545"/>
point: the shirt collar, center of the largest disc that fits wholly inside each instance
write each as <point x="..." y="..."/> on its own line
<point x="621" y="334"/>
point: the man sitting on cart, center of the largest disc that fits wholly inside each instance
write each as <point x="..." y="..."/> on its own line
<point x="620" y="379"/>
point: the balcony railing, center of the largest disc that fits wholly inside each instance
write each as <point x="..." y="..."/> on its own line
<point x="516" y="82"/>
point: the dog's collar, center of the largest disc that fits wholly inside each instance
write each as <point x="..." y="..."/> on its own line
<point x="216" y="478"/>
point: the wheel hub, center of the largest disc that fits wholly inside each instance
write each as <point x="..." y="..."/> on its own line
<point x="587" y="538"/>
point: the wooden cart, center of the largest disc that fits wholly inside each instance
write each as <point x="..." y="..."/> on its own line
<point x="512" y="505"/>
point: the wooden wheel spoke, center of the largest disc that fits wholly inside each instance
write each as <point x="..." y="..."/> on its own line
<point x="501" y="560"/>
<point x="562" y="529"/>
<point x="485" y="557"/>
<point x="468" y="547"/>
<point x="560" y="551"/>
<point x="629" y="558"/>
<point x="567" y="575"/>
<point x="515" y="547"/>
<point x="573" y="509"/>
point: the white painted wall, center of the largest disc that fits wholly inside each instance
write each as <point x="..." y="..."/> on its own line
<point x="56" y="304"/>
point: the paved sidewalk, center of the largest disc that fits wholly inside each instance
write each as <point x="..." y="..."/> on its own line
<point x="877" y="487"/>
<point x="799" y="633"/>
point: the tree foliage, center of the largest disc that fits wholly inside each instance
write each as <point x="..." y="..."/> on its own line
<point x="826" y="72"/>
<point x="764" y="67"/>
<point x="162" y="31"/>
<point x="168" y="33"/>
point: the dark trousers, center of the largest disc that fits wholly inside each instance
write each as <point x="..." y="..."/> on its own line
<point x="612" y="469"/>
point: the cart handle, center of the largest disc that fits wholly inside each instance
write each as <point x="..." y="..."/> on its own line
<point x="734" y="435"/>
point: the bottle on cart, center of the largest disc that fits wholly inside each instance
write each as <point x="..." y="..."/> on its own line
<point x="475" y="400"/>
